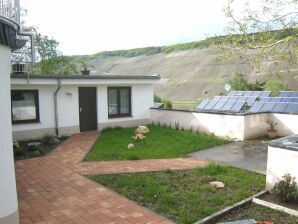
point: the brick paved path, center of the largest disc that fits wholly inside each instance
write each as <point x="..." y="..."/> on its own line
<point x="52" y="190"/>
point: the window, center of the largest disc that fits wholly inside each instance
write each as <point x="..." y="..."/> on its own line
<point x="119" y="101"/>
<point x="24" y="106"/>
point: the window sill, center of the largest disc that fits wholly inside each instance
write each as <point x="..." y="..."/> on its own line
<point x="120" y="116"/>
<point x="26" y="122"/>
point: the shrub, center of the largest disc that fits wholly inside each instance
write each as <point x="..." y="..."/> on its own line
<point x="48" y="139"/>
<point x="18" y="152"/>
<point x="276" y="85"/>
<point x="41" y="150"/>
<point x="157" y="99"/>
<point x="167" y="104"/>
<point x="35" y="153"/>
<point x="287" y="189"/>
<point x="239" y="82"/>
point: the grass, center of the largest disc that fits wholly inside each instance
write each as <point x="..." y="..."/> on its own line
<point x="260" y="213"/>
<point x="160" y="142"/>
<point x="185" y="196"/>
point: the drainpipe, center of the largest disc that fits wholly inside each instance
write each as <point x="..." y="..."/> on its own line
<point x="56" y="106"/>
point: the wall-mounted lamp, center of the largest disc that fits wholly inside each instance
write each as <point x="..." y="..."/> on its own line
<point x="68" y="93"/>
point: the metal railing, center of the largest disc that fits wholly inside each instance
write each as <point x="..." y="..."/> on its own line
<point x="10" y="11"/>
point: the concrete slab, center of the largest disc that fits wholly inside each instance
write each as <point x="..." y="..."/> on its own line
<point x="248" y="155"/>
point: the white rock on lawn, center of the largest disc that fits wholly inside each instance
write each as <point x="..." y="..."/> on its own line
<point x="217" y="184"/>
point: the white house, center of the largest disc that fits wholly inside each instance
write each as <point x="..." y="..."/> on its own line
<point x="66" y="105"/>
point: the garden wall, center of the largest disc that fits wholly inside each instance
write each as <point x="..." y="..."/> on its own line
<point x="230" y="126"/>
<point x="226" y="126"/>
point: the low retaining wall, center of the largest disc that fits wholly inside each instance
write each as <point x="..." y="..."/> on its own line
<point x="230" y="126"/>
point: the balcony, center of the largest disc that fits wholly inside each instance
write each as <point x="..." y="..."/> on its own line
<point x="10" y="12"/>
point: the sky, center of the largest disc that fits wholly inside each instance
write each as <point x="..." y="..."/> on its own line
<point x="91" y="26"/>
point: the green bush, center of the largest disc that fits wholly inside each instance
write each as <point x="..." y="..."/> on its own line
<point x="287" y="189"/>
<point x="239" y="82"/>
<point x="18" y="152"/>
<point x="48" y="139"/>
<point x="35" y="153"/>
<point x="276" y="85"/>
<point x="157" y="99"/>
<point x="167" y="104"/>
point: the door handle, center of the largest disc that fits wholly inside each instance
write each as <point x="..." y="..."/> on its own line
<point x="81" y="109"/>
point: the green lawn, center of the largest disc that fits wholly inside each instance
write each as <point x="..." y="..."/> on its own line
<point x="160" y="142"/>
<point x="185" y="196"/>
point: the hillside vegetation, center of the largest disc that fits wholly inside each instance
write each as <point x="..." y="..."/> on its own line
<point x="189" y="71"/>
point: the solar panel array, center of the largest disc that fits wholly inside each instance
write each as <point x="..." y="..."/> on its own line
<point x="250" y="93"/>
<point x="252" y="102"/>
<point x="259" y="106"/>
<point x="220" y="105"/>
<point x="288" y="94"/>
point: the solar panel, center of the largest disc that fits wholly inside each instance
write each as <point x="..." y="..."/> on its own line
<point x="265" y="93"/>
<point x="219" y="105"/>
<point x="256" y="93"/>
<point x="292" y="108"/>
<point x="265" y="99"/>
<point x="275" y="99"/>
<point x="216" y="98"/>
<point x="210" y="105"/>
<point x="256" y="107"/>
<point x="268" y="107"/>
<point x="250" y="101"/>
<point x="236" y="93"/>
<point x="225" y="98"/>
<point x="280" y="107"/>
<point x="237" y="106"/>
<point x="228" y="105"/>
<point x="294" y="94"/>
<point x="288" y="94"/>
<point x="248" y="93"/>
<point x="202" y="104"/>
<point x="294" y="100"/>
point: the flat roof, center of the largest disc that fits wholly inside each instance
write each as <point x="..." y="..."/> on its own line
<point x="38" y="76"/>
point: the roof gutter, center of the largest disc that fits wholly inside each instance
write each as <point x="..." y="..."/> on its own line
<point x="56" y="106"/>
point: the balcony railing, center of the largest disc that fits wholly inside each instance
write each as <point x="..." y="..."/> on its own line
<point x="10" y="11"/>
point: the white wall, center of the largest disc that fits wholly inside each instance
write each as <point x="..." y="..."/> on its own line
<point x="68" y="107"/>
<point x="280" y="162"/>
<point x="287" y="124"/>
<point x="8" y="196"/>
<point x="255" y="125"/>
<point x="226" y="126"/>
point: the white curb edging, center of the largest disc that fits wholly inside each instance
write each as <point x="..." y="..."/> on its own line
<point x="275" y="206"/>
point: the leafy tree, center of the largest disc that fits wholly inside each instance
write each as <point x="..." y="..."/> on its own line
<point x="49" y="58"/>
<point x="45" y="47"/>
<point x="262" y="33"/>
<point x="61" y="65"/>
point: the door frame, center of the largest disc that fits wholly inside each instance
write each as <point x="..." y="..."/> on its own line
<point x="96" y="116"/>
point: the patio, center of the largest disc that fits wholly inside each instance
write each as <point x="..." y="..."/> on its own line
<point x="51" y="189"/>
<point x="249" y="155"/>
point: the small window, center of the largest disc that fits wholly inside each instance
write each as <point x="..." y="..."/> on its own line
<point x="24" y="106"/>
<point x="119" y="101"/>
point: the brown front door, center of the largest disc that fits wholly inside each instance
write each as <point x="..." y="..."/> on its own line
<point x="87" y="108"/>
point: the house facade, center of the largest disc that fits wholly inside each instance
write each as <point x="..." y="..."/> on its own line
<point x="49" y="104"/>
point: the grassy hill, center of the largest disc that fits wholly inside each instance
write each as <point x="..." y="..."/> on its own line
<point x="189" y="71"/>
